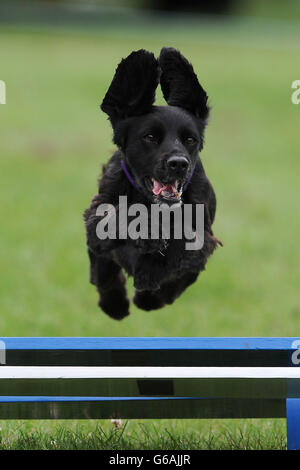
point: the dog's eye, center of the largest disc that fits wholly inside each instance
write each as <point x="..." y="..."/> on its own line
<point x="190" y="140"/>
<point x="149" y="138"/>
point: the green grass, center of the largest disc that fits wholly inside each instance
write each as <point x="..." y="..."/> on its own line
<point x="138" y="434"/>
<point x="53" y="142"/>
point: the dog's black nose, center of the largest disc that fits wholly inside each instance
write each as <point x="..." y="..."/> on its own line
<point x="178" y="165"/>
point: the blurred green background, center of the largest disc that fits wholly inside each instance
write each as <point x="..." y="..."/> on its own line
<point x="54" y="140"/>
<point x="57" y="59"/>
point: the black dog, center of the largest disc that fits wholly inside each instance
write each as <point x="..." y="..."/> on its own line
<point x="157" y="161"/>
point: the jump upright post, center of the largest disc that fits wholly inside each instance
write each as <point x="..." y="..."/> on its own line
<point x="96" y="378"/>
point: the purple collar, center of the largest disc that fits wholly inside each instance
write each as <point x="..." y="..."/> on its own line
<point x="129" y="176"/>
<point x="131" y="180"/>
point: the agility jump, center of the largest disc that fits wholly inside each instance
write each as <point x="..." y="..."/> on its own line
<point x="100" y="378"/>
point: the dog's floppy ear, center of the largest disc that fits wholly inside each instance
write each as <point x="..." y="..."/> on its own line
<point x="180" y="85"/>
<point x="132" y="90"/>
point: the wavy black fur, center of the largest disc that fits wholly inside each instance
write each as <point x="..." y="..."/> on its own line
<point x="180" y="84"/>
<point x="132" y="90"/>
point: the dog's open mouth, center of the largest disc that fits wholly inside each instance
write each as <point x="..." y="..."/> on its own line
<point x="170" y="191"/>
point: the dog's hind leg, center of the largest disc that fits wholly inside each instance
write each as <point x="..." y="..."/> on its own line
<point x="148" y="300"/>
<point x="171" y="290"/>
<point x="110" y="281"/>
<point x="166" y="294"/>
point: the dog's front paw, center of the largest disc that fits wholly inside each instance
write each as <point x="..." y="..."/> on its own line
<point x="115" y="304"/>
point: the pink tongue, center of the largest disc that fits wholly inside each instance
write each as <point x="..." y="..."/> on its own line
<point x="158" y="188"/>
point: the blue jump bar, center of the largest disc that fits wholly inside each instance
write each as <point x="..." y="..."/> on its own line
<point x="166" y="343"/>
<point x="20" y="399"/>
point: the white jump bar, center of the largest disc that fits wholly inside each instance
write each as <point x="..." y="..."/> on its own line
<point x="67" y="372"/>
<point x="213" y="382"/>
